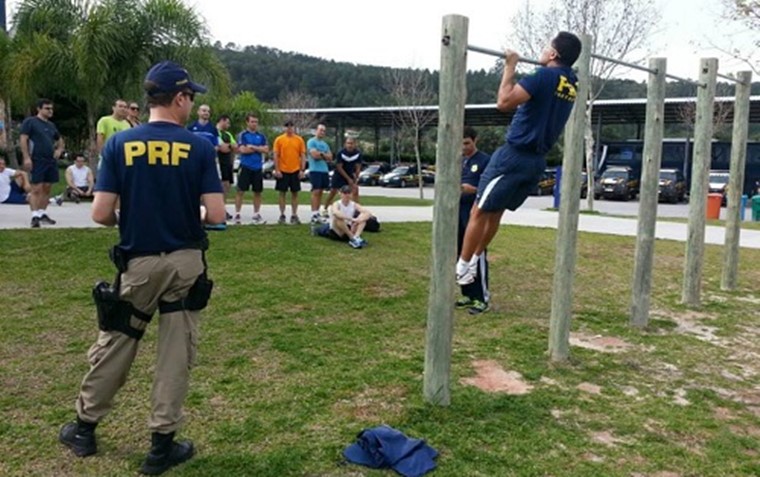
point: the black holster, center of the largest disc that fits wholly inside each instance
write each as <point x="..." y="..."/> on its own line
<point x="115" y="314"/>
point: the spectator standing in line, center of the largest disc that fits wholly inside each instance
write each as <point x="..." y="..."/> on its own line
<point x="475" y="296"/>
<point x="79" y="180"/>
<point x="41" y="147"/>
<point x="252" y="146"/>
<point x="133" y="117"/>
<point x="224" y="154"/>
<point x="348" y="166"/>
<point x="112" y="124"/>
<point x="203" y="127"/>
<point x="543" y="101"/>
<point x="289" y="164"/>
<point x="320" y="156"/>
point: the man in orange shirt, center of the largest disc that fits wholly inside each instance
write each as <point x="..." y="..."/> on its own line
<point x="289" y="164"/>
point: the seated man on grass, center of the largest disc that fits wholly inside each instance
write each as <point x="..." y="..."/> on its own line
<point x="348" y="220"/>
<point x="14" y="185"/>
<point x="79" y="180"/>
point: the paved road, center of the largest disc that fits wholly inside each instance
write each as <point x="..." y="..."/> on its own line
<point x="532" y="214"/>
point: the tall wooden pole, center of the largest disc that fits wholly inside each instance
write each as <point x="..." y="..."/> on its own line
<point x="650" y="180"/>
<point x="703" y="131"/>
<point x="736" y="181"/>
<point x="567" y="228"/>
<point x="440" y="319"/>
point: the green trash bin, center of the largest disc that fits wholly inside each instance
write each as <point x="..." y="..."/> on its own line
<point x="756" y="208"/>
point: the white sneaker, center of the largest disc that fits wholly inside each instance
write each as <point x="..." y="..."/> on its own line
<point x="258" y="220"/>
<point x="324" y="213"/>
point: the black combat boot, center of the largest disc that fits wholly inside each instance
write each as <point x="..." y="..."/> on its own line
<point x="79" y="436"/>
<point x="165" y="454"/>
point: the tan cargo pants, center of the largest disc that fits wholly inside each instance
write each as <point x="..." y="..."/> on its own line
<point x="148" y="280"/>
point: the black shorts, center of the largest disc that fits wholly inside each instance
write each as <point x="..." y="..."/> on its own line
<point x="44" y="172"/>
<point x="289" y="180"/>
<point x="319" y="180"/>
<point x="337" y="181"/>
<point x="509" y="178"/>
<point x="225" y="168"/>
<point x="250" y="179"/>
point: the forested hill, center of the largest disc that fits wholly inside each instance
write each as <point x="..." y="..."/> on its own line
<point x="270" y="73"/>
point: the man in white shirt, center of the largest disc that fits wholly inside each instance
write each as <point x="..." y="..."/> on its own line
<point x="14" y="185"/>
<point x="348" y="219"/>
<point x="79" y="180"/>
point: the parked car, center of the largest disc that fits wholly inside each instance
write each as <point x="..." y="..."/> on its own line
<point x="617" y="183"/>
<point x="546" y="183"/>
<point x="672" y="186"/>
<point x="373" y="172"/>
<point x="401" y="176"/>
<point x="428" y="175"/>
<point x="719" y="183"/>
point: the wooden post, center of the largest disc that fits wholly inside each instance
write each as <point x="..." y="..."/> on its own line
<point x="650" y="182"/>
<point x="703" y="130"/>
<point x="567" y="228"/>
<point x="736" y="181"/>
<point x="440" y="319"/>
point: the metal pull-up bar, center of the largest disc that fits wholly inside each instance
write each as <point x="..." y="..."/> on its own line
<point x="500" y="54"/>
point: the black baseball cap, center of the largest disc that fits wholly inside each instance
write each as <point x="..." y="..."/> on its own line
<point x="169" y="77"/>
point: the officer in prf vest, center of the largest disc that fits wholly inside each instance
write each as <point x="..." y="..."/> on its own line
<point x="161" y="174"/>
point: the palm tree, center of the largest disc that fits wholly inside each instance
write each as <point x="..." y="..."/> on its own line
<point x="95" y="52"/>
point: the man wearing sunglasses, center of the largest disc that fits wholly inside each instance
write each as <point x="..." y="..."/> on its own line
<point x="162" y="173"/>
<point x="133" y="116"/>
<point x="41" y="147"/>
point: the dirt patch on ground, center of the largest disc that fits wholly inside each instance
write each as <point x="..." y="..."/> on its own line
<point x="377" y="291"/>
<point x="492" y="378"/>
<point x="589" y="388"/>
<point x="606" y="438"/>
<point x="605" y="344"/>
<point x="691" y="322"/>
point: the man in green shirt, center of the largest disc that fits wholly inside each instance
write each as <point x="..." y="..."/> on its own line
<point x="110" y="125"/>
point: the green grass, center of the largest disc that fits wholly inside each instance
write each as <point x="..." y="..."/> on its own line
<point x="306" y="342"/>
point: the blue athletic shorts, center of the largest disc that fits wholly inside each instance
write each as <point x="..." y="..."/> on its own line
<point x="17" y="195"/>
<point x="44" y="172"/>
<point x="509" y="178"/>
<point x="319" y="180"/>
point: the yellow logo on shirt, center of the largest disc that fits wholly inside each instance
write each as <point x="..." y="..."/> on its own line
<point x="565" y="89"/>
<point x="157" y="152"/>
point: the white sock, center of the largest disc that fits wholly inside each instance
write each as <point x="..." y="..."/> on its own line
<point x="462" y="266"/>
<point x="37" y="213"/>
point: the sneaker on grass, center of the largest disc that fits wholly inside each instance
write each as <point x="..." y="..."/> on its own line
<point x="258" y="220"/>
<point x="464" y="302"/>
<point x="282" y="220"/>
<point x="478" y="307"/>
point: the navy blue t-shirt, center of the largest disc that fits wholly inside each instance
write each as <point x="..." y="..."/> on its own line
<point x="349" y="160"/>
<point x="538" y="122"/>
<point x="42" y="136"/>
<point x="472" y="168"/>
<point x="160" y="170"/>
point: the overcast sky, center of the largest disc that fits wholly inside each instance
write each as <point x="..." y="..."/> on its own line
<point x="406" y="33"/>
